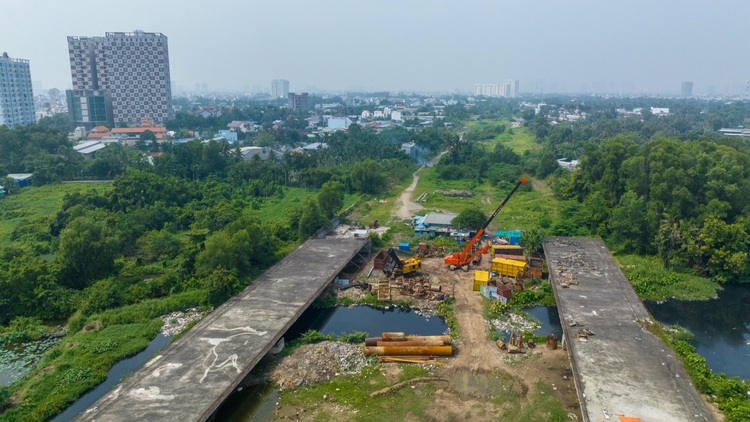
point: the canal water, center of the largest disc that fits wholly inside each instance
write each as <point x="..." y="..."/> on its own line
<point x="549" y="319"/>
<point x="721" y="327"/>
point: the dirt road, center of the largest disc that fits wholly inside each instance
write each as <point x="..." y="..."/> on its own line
<point x="478" y="359"/>
<point x="407" y="208"/>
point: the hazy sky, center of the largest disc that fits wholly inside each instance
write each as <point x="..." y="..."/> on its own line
<point x="625" y="46"/>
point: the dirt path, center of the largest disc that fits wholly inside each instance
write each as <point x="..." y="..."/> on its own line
<point x="407" y="208"/>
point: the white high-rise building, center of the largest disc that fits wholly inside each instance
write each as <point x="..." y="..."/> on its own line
<point x="487" y="90"/>
<point x="512" y="88"/>
<point x="130" y="67"/>
<point x="279" y="88"/>
<point x="16" y="95"/>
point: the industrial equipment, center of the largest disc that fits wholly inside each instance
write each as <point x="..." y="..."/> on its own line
<point x="394" y="266"/>
<point x="472" y="253"/>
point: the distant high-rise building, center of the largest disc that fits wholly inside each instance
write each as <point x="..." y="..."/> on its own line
<point x="297" y="101"/>
<point x="687" y="89"/>
<point x="123" y="71"/>
<point x="16" y="95"/>
<point x="511" y="88"/>
<point x="280" y="88"/>
<point x="487" y="90"/>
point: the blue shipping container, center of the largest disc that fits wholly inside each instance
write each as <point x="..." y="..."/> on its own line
<point x="403" y="246"/>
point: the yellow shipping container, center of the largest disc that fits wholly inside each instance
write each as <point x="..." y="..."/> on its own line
<point x="480" y="277"/>
<point x="508" y="267"/>
<point x="506" y="250"/>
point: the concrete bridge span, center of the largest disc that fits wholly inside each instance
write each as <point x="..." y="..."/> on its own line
<point x="190" y="379"/>
<point x="622" y="369"/>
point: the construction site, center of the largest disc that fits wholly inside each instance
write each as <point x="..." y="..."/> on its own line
<point x="471" y="373"/>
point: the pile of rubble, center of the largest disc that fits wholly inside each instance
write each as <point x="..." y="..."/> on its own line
<point x="316" y="363"/>
<point x="176" y="322"/>
<point x="514" y="322"/>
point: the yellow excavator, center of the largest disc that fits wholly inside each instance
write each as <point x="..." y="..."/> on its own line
<point x="394" y="266"/>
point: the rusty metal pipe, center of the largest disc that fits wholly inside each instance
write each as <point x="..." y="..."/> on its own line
<point x="410" y="351"/>
<point x="372" y="341"/>
<point x="390" y="336"/>
<point x="409" y="343"/>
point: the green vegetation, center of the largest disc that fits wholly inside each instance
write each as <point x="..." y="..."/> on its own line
<point x="191" y="229"/>
<point x="353" y="392"/>
<point x="27" y="214"/>
<point x="445" y="310"/>
<point x="654" y="282"/>
<point x="730" y="394"/>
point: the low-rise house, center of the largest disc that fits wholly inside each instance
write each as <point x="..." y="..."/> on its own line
<point x="339" y="122"/>
<point x="229" y="135"/>
<point x="315" y="146"/>
<point x="434" y="224"/>
<point x="409" y="148"/>
<point x="248" y="153"/>
<point x="244" y="126"/>
<point x="98" y="132"/>
<point x="22" y="179"/>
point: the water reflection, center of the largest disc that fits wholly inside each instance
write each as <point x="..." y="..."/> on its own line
<point x="721" y="327"/>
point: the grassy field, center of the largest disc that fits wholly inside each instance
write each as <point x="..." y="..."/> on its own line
<point x="278" y="210"/>
<point x="349" y="398"/>
<point x="523" y="211"/>
<point x="36" y="205"/>
<point x="518" y="139"/>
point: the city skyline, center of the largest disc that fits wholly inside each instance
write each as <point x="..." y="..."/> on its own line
<point x="637" y="47"/>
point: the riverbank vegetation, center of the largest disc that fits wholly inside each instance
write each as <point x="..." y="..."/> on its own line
<point x="729" y="393"/>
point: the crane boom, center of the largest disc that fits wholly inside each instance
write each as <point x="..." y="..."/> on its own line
<point x="465" y="257"/>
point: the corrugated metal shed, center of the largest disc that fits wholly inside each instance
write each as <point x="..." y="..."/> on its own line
<point x="439" y="219"/>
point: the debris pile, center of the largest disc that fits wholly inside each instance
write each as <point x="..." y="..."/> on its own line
<point x="176" y="322"/>
<point x="316" y="363"/>
<point x="514" y="322"/>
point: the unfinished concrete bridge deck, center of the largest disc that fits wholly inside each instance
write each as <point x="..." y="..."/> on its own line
<point x="621" y="370"/>
<point x="191" y="378"/>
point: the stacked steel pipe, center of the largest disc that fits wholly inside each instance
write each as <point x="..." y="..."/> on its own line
<point x="398" y="344"/>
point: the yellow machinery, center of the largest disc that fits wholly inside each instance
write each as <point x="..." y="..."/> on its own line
<point x="394" y="266"/>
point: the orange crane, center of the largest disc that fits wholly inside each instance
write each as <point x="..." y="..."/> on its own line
<point x="471" y="255"/>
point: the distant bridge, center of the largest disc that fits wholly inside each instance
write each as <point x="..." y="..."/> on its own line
<point x="191" y="378"/>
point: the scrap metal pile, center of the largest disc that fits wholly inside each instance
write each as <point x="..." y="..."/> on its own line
<point x="417" y="287"/>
